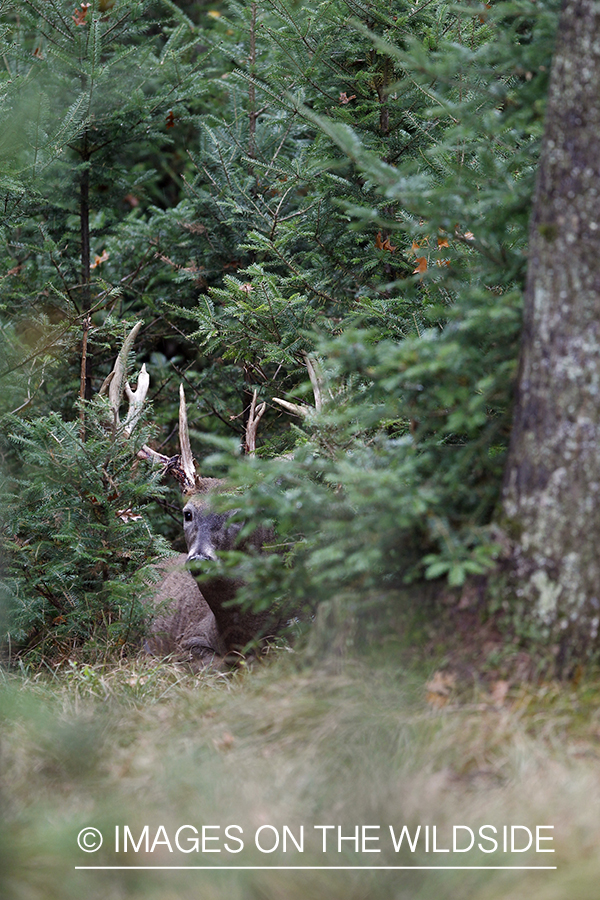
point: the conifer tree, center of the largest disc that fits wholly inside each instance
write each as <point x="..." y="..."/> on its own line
<point x="358" y="186"/>
<point x="272" y="240"/>
<point x="88" y="91"/>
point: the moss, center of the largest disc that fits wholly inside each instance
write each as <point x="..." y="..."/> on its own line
<point x="548" y="230"/>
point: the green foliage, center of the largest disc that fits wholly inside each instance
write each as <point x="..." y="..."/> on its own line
<point x="399" y="475"/>
<point x="282" y="188"/>
<point x="90" y="98"/>
<point x="76" y="542"/>
<point x="270" y="186"/>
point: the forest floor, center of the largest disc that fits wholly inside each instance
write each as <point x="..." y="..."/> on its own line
<point x="374" y="743"/>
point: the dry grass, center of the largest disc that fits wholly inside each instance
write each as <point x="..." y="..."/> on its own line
<point x="140" y="744"/>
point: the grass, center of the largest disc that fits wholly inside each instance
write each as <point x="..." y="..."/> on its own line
<point x="352" y="743"/>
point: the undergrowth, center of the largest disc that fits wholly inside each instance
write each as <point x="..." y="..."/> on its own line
<point x="343" y="743"/>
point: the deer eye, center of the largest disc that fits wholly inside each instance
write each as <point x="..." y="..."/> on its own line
<point x="187" y="515"/>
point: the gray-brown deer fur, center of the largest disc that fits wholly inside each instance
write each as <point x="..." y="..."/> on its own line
<point x="184" y="626"/>
<point x="201" y="626"/>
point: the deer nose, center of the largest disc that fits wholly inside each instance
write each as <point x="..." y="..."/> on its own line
<point x="206" y="556"/>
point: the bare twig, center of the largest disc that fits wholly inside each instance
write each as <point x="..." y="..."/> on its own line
<point x="83" y="378"/>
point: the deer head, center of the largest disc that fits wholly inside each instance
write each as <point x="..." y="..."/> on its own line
<point x="208" y="532"/>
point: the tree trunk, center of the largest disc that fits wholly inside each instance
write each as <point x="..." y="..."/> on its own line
<point x="551" y="495"/>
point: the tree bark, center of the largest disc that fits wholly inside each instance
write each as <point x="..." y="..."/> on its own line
<point x="551" y="499"/>
<point x="84" y="217"/>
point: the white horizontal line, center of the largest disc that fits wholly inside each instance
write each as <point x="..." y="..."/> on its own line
<point x="313" y="868"/>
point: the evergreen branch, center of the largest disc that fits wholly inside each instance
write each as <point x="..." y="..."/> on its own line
<point x="178" y="13"/>
<point x="61" y="17"/>
<point x="126" y="15"/>
<point x="301" y="277"/>
<point x="38" y="11"/>
<point x="49" y="345"/>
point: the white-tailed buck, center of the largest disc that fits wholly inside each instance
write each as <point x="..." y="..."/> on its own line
<point x="207" y="533"/>
<point x="200" y="627"/>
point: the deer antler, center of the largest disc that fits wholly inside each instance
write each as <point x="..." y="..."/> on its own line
<point x="316" y="379"/>
<point x="254" y="417"/>
<point x="188" y="466"/>
<point x="116" y="384"/>
<point x="294" y="408"/>
<point x="181" y="466"/>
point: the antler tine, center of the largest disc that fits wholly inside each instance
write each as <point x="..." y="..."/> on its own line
<point x="115" y="381"/>
<point x="181" y="466"/>
<point x="187" y="460"/>
<point x="315" y="375"/>
<point x="254" y="417"/>
<point x="294" y="408"/>
<point x="136" y="400"/>
<point x="316" y="380"/>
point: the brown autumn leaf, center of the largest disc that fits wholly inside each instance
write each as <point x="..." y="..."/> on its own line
<point x="98" y="260"/>
<point x="384" y="243"/>
<point x="463" y="236"/>
<point x="498" y="693"/>
<point x="436" y="700"/>
<point x="225" y="742"/>
<point x="421" y="265"/>
<point x="128" y="515"/>
<point x="483" y="14"/>
<point x="79" y="16"/>
<point x="443" y="242"/>
<point x="439" y="688"/>
<point x="344" y="98"/>
<point x="170" y="119"/>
